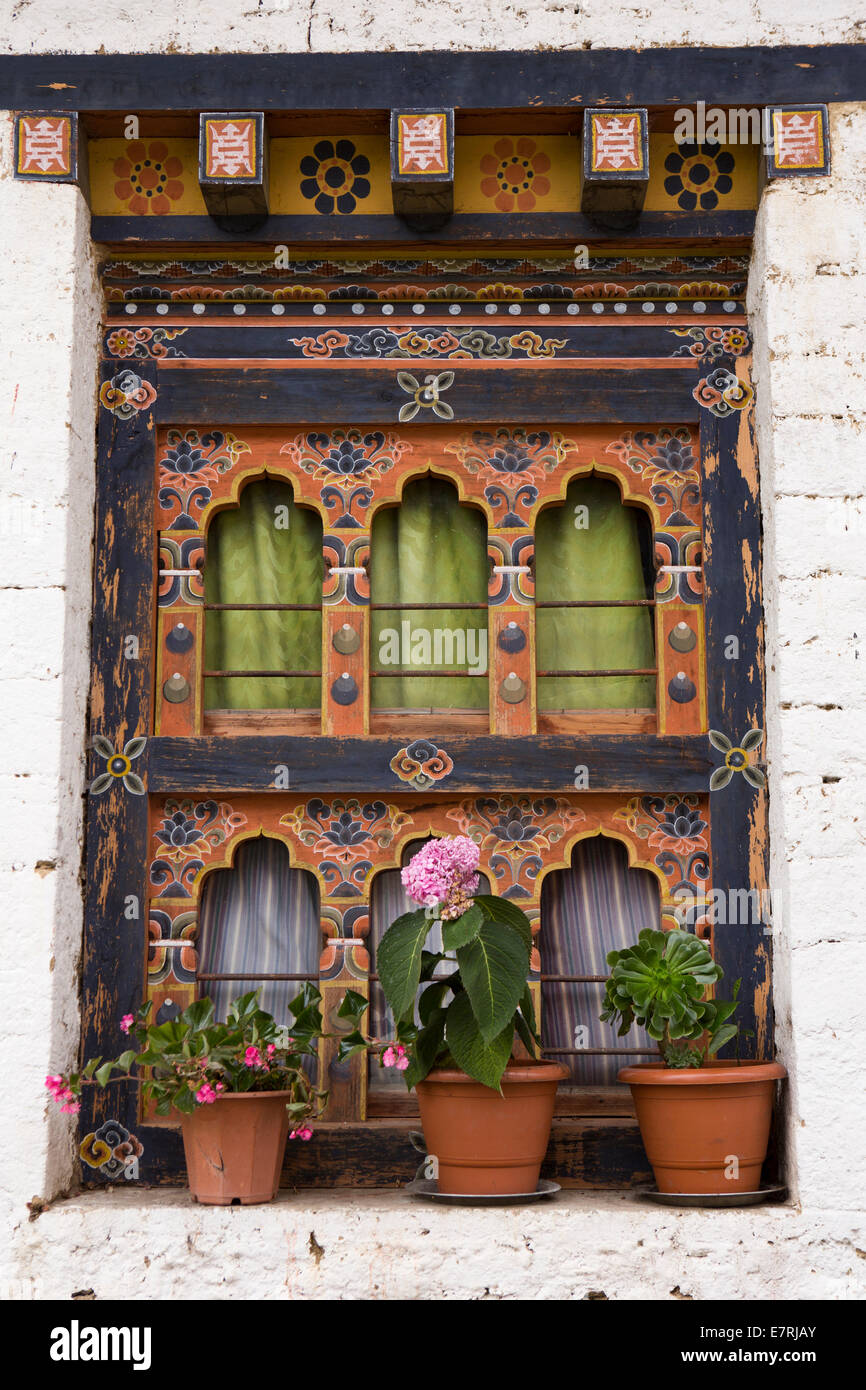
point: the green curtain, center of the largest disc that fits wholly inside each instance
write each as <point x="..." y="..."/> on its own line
<point x="267" y="550"/>
<point x="592" y="555"/>
<point x="429" y="548"/>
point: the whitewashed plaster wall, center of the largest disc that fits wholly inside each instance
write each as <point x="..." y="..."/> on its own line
<point x="347" y="26"/>
<point x="808" y="306"/>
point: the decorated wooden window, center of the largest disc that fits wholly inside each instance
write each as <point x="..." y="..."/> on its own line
<point x="489" y="443"/>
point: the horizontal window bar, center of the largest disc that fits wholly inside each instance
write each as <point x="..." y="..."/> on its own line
<point x="573" y="979"/>
<point x="255" y="977"/>
<point x="596" y="603"/>
<point x="639" y="671"/>
<point x="422" y="607"/>
<point x="295" y="674"/>
<point x="262" y="607"/>
<point x="433" y="675"/>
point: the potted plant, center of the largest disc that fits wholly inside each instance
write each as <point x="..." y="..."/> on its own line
<point x="239" y="1087"/>
<point x="486" y="1113"/>
<point x="705" y="1123"/>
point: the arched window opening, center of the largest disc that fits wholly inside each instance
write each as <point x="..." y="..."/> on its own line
<point x="389" y="901"/>
<point x="428" y="592"/>
<point x="594" y="603"/>
<point x="598" y="905"/>
<point x="263" y="601"/>
<point x="259" y="929"/>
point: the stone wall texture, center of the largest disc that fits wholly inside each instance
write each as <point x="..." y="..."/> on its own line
<point x="808" y="312"/>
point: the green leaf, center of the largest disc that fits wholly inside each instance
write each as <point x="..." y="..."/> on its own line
<point x="463" y="929"/>
<point x="524" y="1033"/>
<point x="427" y="1047"/>
<point x="353" y="1005"/>
<point x="103" y="1073"/>
<point x="501" y="910"/>
<point x="199" y="1015"/>
<point x="493" y="968"/>
<point x="724" y="1035"/>
<point x="125" y="1060"/>
<point x="350" y="1044"/>
<point x="183" y="1100"/>
<point x="483" y="1061"/>
<point x="431" y="999"/>
<point x="399" y="960"/>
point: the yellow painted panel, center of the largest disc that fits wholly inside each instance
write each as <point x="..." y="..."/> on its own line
<point x="140" y="178"/>
<point x="331" y="174"/>
<point x="682" y="181"/>
<point x="516" y="173"/>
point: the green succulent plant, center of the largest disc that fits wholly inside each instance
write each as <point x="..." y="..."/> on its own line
<point x="660" y="984"/>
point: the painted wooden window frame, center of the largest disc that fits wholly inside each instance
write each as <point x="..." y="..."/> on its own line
<point x="624" y="771"/>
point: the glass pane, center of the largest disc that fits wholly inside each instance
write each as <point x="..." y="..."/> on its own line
<point x="267" y="550"/>
<point x="598" y="905"/>
<point x="593" y="547"/>
<point x="429" y="548"/>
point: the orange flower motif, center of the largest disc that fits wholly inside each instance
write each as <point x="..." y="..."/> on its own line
<point x="148" y="178"/>
<point x="514" y="175"/>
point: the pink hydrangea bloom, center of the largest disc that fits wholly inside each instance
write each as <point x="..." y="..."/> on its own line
<point x="303" y="1132"/>
<point x="126" y="1023"/>
<point x="443" y="871"/>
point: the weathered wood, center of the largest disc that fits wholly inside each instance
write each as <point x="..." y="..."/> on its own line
<point x="735" y="666"/>
<point x="113" y="961"/>
<point x="744" y="75"/>
<point x="373" y="394"/>
<point x="547" y="763"/>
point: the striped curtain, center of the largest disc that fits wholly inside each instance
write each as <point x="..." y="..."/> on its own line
<point x="390" y="902"/>
<point x="598" y="905"/>
<point x="259" y="917"/>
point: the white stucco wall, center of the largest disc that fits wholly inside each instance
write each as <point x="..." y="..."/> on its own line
<point x="348" y="26"/>
<point x="49" y="316"/>
<point x="808" y="307"/>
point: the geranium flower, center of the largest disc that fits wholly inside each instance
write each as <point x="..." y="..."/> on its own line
<point x="148" y="179"/>
<point x="515" y="175"/>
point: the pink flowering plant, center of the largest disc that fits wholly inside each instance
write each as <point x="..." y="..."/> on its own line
<point x="461" y="1006"/>
<point x="192" y="1060"/>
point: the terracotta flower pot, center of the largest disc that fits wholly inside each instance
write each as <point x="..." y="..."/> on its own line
<point x="487" y="1144"/>
<point x="234" y="1147"/>
<point x="694" y="1122"/>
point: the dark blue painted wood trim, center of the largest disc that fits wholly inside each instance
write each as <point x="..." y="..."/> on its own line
<point x="750" y="75"/>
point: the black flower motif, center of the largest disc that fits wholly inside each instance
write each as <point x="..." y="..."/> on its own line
<point x="510" y="457"/>
<point x="178" y="831"/>
<point x="513" y="826"/>
<point x="346" y="831"/>
<point x="334" y="176"/>
<point x="185" y="458"/>
<point x="673" y="456"/>
<point x="698" y="175"/>
<point x="345" y="458"/>
<point x="683" y="823"/>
